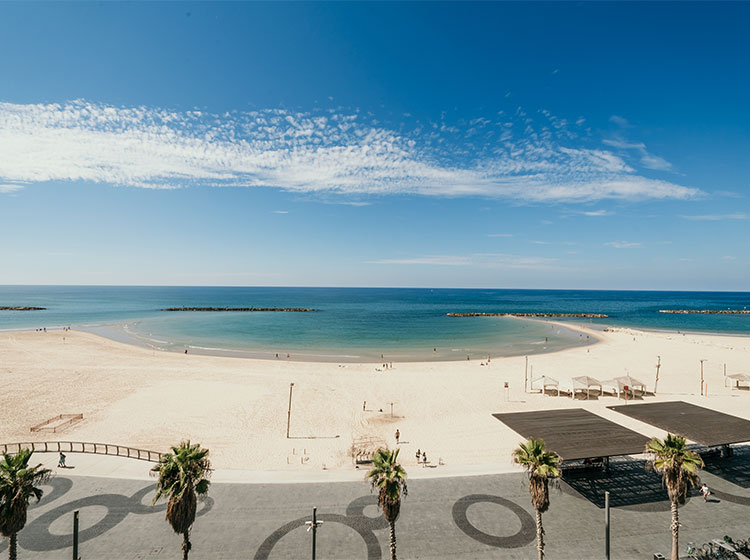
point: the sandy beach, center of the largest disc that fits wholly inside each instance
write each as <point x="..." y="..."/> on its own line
<point x="238" y="407"/>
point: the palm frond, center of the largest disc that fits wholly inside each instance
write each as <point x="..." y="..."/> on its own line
<point x="182" y="474"/>
<point x="541" y="466"/>
<point x="677" y="465"/>
<point x="389" y="478"/>
<point x="18" y="484"/>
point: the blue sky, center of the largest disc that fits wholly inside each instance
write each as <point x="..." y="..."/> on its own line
<point x="520" y="145"/>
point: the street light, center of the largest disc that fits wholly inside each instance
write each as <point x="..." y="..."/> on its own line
<point x="313" y="525"/>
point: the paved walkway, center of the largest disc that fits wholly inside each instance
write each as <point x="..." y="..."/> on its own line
<point x="473" y="517"/>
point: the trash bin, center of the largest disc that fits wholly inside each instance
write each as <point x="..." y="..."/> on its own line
<point x="658" y="556"/>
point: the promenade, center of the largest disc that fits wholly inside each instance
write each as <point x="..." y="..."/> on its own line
<point x="473" y="517"/>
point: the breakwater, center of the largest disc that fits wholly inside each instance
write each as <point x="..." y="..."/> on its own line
<point x="582" y="315"/>
<point x="707" y="311"/>
<point x="21" y="308"/>
<point x="287" y="309"/>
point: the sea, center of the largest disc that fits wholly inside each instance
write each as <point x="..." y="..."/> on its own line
<point x="358" y="324"/>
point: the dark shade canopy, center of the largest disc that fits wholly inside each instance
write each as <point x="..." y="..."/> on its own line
<point x="575" y="433"/>
<point x="696" y="423"/>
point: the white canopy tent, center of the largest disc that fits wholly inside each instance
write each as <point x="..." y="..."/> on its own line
<point x="586" y="383"/>
<point x="619" y="385"/>
<point x="544" y="382"/>
<point x="738" y="378"/>
<point x="581" y="385"/>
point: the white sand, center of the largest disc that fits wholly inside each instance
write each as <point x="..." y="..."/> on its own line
<point x="238" y="407"/>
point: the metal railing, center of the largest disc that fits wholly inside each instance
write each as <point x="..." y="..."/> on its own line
<point x="83" y="447"/>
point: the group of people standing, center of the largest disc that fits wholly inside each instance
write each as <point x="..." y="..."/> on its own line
<point x="421" y="456"/>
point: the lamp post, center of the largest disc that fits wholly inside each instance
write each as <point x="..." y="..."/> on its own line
<point x="313" y="526"/>
<point x="606" y="525"/>
<point x="702" y="375"/>
<point x="289" y="410"/>
<point x="75" y="535"/>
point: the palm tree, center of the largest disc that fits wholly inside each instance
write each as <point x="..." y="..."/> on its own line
<point x="389" y="477"/>
<point x="18" y="483"/>
<point x="541" y="465"/>
<point x="183" y="473"/>
<point x="679" y="471"/>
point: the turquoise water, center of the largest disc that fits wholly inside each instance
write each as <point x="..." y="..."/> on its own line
<point x="356" y="323"/>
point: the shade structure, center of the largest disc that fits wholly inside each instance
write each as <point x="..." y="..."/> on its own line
<point x="575" y="433"/>
<point x="544" y="382"/>
<point x="586" y="383"/>
<point x="702" y="425"/>
<point x="619" y="384"/>
<point x="737" y="378"/>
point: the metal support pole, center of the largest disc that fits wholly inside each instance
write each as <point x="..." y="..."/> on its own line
<point x="606" y="525"/>
<point x="702" y="376"/>
<point x="289" y="410"/>
<point x="526" y="376"/>
<point x="75" y="535"/>
<point x="313" y="525"/>
<point x="314" y="530"/>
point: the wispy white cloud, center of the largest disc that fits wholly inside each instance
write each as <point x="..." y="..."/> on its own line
<point x="718" y="217"/>
<point x="481" y="260"/>
<point x="7" y="189"/>
<point x="597" y="213"/>
<point x="281" y="211"/>
<point x="330" y="153"/>
<point x="729" y="258"/>
<point x="620" y="121"/>
<point x="647" y="160"/>
<point x="623" y="244"/>
<point x="651" y="161"/>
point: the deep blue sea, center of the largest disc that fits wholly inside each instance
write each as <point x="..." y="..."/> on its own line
<point x="353" y="324"/>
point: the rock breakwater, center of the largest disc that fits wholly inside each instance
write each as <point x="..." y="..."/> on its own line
<point x="707" y="311"/>
<point x="20" y="308"/>
<point x="582" y="315"/>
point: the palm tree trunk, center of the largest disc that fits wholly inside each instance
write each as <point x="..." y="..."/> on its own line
<point x="392" y="535"/>
<point x="675" y="526"/>
<point x="185" y="545"/>
<point x="539" y="535"/>
<point x="13" y="547"/>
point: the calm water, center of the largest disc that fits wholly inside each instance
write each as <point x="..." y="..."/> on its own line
<point x="357" y="323"/>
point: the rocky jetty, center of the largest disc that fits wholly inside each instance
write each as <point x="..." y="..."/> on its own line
<point x="288" y="309"/>
<point x="20" y="308"/>
<point x="707" y="311"/>
<point x="582" y="315"/>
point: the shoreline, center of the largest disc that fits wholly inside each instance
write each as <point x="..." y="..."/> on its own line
<point x="148" y="399"/>
<point x="121" y="332"/>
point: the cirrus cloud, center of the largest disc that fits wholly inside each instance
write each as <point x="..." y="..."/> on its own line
<point x="326" y="152"/>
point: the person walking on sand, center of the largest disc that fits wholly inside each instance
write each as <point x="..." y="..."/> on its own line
<point x="419" y="455"/>
<point x="398" y="435"/>
<point x="61" y="461"/>
<point x="424" y="459"/>
<point x="705" y="492"/>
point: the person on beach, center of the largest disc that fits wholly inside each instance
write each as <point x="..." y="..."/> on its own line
<point x="364" y="405"/>
<point x="424" y="458"/>
<point x="398" y="435"/>
<point x="61" y="461"/>
<point x="705" y="492"/>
